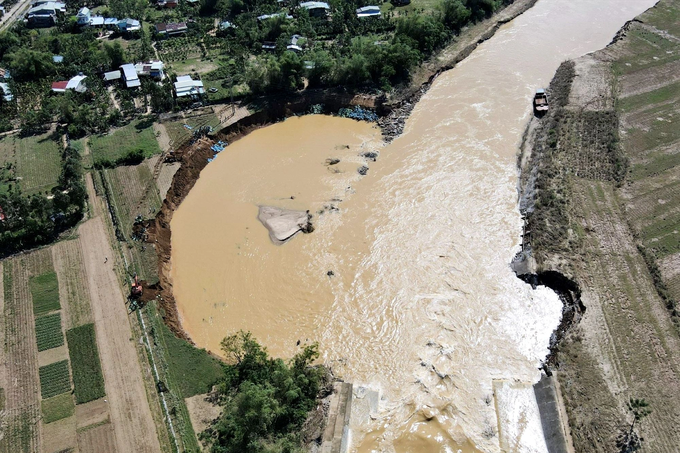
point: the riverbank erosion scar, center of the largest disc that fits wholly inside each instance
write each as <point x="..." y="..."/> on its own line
<point x="193" y="156"/>
<point x="595" y="180"/>
<point x="283" y="224"/>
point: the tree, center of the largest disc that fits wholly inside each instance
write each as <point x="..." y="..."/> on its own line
<point x="265" y="400"/>
<point x="115" y="53"/>
<point x="27" y="64"/>
<point x="629" y="441"/>
<point x="455" y="14"/>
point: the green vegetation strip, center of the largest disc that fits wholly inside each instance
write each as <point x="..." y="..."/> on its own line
<point x="58" y="407"/>
<point x="87" y="371"/>
<point x="127" y="145"/>
<point x="48" y="332"/>
<point x="54" y="379"/>
<point x="45" y="292"/>
<point x="192" y="370"/>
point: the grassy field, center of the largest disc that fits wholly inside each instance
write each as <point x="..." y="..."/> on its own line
<point x="32" y="163"/>
<point x="48" y="331"/>
<point x="45" y="292"/>
<point x="57" y="407"/>
<point x="87" y="371"/>
<point x="179" y="134"/>
<point x="138" y="135"/>
<point x="193" y="370"/>
<point x="54" y="379"/>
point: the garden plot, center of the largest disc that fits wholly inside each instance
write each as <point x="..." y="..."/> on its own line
<point x="73" y="291"/>
<point x="48" y="332"/>
<point x="87" y="371"/>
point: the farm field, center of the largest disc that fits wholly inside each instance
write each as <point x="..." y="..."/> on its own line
<point x="58" y="407"/>
<point x="87" y="372"/>
<point x="73" y="291"/>
<point x="45" y="293"/>
<point x="133" y="193"/>
<point x="21" y="416"/>
<point x="138" y="135"/>
<point x="48" y="332"/>
<point x="54" y="379"/>
<point x="32" y="163"/>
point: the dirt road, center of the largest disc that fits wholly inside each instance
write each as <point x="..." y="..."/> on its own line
<point x="133" y="424"/>
<point x="14" y="14"/>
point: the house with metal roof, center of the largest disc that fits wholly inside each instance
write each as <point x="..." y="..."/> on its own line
<point x="293" y="45"/>
<point x="6" y="92"/>
<point x="317" y="9"/>
<point x="271" y="16"/>
<point x="130" y="75"/>
<point x="171" y="29"/>
<point x="368" y="11"/>
<point x="112" y="76"/>
<point x="151" y="69"/>
<point x="44" y="14"/>
<point x="186" y="86"/>
<point x="129" y="25"/>
<point x="76" y="83"/>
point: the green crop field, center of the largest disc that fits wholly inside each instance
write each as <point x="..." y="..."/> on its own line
<point x="87" y="371"/>
<point x="48" y="332"/>
<point x="138" y="135"/>
<point x="57" y="407"/>
<point x="54" y="379"/>
<point x="45" y="292"/>
<point x="38" y="161"/>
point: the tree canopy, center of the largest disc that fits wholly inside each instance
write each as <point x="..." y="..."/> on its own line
<point x="265" y="400"/>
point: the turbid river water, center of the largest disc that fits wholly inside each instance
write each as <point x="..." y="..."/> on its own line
<point x="422" y="306"/>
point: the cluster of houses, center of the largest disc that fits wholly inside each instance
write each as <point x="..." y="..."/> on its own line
<point x="127" y="25"/>
<point x="321" y="9"/>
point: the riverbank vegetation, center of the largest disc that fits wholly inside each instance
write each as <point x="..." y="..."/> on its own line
<point x="265" y="401"/>
<point x="600" y="197"/>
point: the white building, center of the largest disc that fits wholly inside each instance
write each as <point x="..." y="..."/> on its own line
<point x="186" y="86"/>
<point x="130" y="75"/>
<point x="368" y="11"/>
<point x="76" y="83"/>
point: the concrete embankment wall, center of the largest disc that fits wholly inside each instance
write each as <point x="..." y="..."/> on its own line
<point x="336" y="434"/>
<point x="551" y="420"/>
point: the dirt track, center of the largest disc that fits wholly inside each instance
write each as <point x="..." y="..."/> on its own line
<point x="133" y="425"/>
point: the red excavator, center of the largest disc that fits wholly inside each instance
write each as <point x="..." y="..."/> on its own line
<point x="136" y="288"/>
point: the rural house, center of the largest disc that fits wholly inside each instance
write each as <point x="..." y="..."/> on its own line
<point x="44" y="14"/>
<point x="6" y="92"/>
<point x="294" y="43"/>
<point x="130" y="76"/>
<point x="368" y="11"/>
<point x="112" y="76"/>
<point x="316" y="9"/>
<point x="186" y="86"/>
<point x="151" y="69"/>
<point x="171" y="29"/>
<point x="76" y="83"/>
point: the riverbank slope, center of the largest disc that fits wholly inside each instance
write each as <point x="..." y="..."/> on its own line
<point x="597" y="189"/>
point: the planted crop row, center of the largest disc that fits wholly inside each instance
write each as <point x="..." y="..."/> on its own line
<point x="87" y="372"/>
<point x="48" y="332"/>
<point x="54" y="379"/>
<point x="45" y="293"/>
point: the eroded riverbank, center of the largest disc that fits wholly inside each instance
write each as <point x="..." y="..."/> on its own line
<point x="425" y="307"/>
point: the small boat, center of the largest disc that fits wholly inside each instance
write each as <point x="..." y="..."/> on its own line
<point x="540" y="102"/>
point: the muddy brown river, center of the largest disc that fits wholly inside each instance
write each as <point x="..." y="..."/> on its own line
<point x="421" y="311"/>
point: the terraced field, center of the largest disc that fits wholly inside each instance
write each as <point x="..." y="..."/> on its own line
<point x="648" y="74"/>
